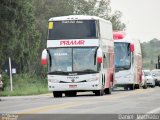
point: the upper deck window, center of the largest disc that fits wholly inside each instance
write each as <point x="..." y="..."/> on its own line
<point x="72" y="29"/>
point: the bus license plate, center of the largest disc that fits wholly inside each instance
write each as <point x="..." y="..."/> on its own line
<point x="72" y="86"/>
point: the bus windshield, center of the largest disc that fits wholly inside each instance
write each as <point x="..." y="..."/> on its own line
<point x="72" y="29"/>
<point x="72" y="60"/>
<point x="122" y="56"/>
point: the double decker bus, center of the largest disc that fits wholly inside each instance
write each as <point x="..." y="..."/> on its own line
<point x="128" y="61"/>
<point x="80" y="55"/>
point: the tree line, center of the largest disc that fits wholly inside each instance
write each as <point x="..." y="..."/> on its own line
<point x="151" y="51"/>
<point x="23" y="26"/>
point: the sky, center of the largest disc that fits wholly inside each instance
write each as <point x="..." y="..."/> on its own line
<point x="142" y="17"/>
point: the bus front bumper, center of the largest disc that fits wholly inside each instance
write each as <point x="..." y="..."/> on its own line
<point x="84" y="86"/>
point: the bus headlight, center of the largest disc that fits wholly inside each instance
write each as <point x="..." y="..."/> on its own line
<point x="53" y="81"/>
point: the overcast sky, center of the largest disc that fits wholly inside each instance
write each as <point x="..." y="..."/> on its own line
<point x="142" y="17"/>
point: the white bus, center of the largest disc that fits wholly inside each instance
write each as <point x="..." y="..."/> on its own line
<point x="80" y="55"/>
<point x="128" y="61"/>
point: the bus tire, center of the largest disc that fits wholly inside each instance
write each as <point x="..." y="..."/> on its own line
<point x="99" y="92"/>
<point x="70" y="94"/>
<point x="137" y="86"/>
<point x="126" y="88"/>
<point x="145" y="86"/>
<point x="152" y="86"/>
<point x="57" y="94"/>
<point x="108" y="90"/>
<point x="131" y="87"/>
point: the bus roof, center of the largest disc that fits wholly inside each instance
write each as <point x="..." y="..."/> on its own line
<point x="78" y="17"/>
<point x="122" y="37"/>
<point x="125" y="38"/>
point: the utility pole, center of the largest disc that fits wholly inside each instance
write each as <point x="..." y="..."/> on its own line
<point x="10" y="69"/>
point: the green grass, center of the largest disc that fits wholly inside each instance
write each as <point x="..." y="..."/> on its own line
<point x="25" y="84"/>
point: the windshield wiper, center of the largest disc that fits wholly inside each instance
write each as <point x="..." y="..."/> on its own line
<point x="122" y="67"/>
<point x="57" y="72"/>
<point x="88" y="71"/>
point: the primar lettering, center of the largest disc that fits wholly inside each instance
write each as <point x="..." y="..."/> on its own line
<point x="72" y="42"/>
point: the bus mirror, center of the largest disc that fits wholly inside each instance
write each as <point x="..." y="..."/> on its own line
<point x="44" y="57"/>
<point x="131" y="47"/>
<point x="99" y="56"/>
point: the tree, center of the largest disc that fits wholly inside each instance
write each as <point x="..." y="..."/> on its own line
<point x="150" y="51"/>
<point x="99" y="8"/>
<point x="7" y="28"/>
<point x="46" y="9"/>
<point x="116" y="21"/>
<point x="143" y="51"/>
<point x="19" y="37"/>
<point x="23" y="25"/>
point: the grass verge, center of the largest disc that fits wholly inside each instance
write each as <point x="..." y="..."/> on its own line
<point x="24" y="84"/>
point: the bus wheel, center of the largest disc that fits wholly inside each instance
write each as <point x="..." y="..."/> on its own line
<point x="137" y="86"/>
<point x="70" y="94"/>
<point x="108" y="90"/>
<point x="57" y="94"/>
<point x="152" y="86"/>
<point x="131" y="87"/>
<point x="145" y="86"/>
<point x="99" y="92"/>
<point x="126" y="88"/>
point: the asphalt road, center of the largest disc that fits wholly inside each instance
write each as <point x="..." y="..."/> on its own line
<point x="141" y="101"/>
